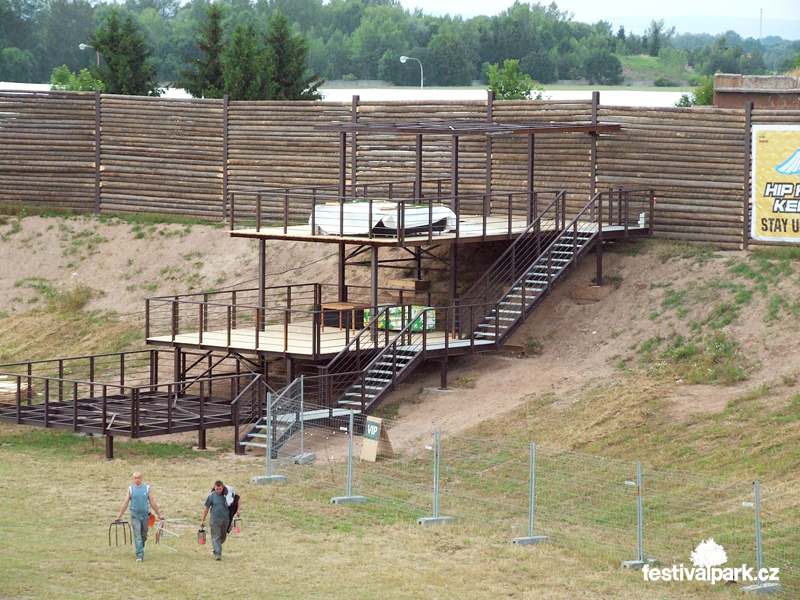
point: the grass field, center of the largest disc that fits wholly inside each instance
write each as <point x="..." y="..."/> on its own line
<point x="62" y="495"/>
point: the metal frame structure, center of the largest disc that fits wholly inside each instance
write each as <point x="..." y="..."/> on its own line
<point x="354" y="367"/>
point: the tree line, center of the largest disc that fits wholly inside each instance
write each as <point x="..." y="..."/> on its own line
<point x="343" y="39"/>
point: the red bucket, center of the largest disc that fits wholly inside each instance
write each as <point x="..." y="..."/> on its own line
<point x="237" y="526"/>
<point x="201" y="536"/>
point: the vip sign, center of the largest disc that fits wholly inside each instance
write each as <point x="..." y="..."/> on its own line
<point x="776" y="183"/>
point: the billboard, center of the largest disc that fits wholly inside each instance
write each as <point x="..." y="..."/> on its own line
<point x="776" y="183"/>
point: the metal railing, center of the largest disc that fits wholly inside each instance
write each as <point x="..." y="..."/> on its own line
<point x="109" y="408"/>
<point x="281" y="208"/>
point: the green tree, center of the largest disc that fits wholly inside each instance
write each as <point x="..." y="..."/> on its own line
<point x="204" y="77"/>
<point x="126" y="62"/>
<point x="244" y="65"/>
<point x="657" y="36"/>
<point x="382" y="28"/>
<point x="509" y="84"/>
<point x="65" y="80"/>
<point x="540" y="66"/>
<point x="60" y="30"/>
<point x="449" y="62"/>
<point x="703" y="94"/>
<point x="287" y="63"/>
<point x="603" y="67"/>
<point x="16" y="64"/>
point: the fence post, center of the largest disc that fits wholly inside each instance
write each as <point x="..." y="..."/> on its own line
<point x="761" y="587"/>
<point x="349" y="498"/>
<point x="97" y="154"/>
<point x="269" y="477"/>
<point x="640" y="559"/>
<point x="531" y="539"/>
<point x="304" y="457"/>
<point x="437" y="452"/>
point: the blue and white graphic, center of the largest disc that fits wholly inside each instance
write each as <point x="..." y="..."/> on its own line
<point x="791" y="166"/>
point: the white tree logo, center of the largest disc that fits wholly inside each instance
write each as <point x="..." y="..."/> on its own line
<point x="709" y="554"/>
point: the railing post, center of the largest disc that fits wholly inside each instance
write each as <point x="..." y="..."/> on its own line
<point x="47" y="402"/>
<point x="19" y="400"/>
<point x="531" y="539"/>
<point x="174" y="318"/>
<point x="285" y="212"/>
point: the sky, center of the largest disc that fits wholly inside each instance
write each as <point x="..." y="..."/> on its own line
<point x="780" y="17"/>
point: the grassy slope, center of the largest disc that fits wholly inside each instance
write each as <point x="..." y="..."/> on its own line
<point x="296" y="545"/>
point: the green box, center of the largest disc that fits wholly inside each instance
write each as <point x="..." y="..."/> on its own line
<point x="394" y="320"/>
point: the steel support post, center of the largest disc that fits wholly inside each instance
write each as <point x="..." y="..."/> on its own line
<point x="531" y="539"/>
<point x="349" y="498"/>
<point x="762" y="587"/>
<point x="269" y="477"/>
<point x="436" y="519"/>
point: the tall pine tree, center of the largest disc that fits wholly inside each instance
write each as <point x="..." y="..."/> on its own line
<point x="287" y="61"/>
<point x="204" y="77"/>
<point x="127" y="65"/>
<point x="244" y="66"/>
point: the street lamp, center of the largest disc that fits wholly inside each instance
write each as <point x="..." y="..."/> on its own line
<point x="403" y="60"/>
<point x="97" y="52"/>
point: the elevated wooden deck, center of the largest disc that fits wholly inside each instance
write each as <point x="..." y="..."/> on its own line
<point x="297" y="342"/>
<point x="471" y="229"/>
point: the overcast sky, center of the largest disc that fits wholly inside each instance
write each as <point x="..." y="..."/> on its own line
<point x="780" y="17"/>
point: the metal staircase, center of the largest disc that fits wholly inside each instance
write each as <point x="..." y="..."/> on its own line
<point x="381" y="376"/>
<point x="376" y="360"/>
<point x="528" y="291"/>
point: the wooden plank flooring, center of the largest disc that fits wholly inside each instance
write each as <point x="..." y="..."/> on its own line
<point x="299" y="342"/>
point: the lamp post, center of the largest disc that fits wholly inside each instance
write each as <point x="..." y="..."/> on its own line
<point x="403" y="60"/>
<point x="97" y="52"/>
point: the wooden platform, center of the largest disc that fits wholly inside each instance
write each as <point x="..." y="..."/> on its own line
<point x="298" y="343"/>
<point x="157" y="415"/>
<point x="471" y="229"/>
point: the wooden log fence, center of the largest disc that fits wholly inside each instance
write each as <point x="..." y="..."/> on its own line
<point x="118" y="154"/>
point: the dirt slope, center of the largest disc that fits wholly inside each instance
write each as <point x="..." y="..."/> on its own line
<point x="658" y="292"/>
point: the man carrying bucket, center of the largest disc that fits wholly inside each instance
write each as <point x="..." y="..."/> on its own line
<point x="140" y="499"/>
<point x="220" y="517"/>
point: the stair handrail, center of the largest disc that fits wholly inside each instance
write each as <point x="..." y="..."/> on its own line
<point x="572" y="228"/>
<point x="560" y="202"/>
<point x="236" y="410"/>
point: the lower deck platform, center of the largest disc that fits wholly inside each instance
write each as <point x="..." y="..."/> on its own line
<point x="120" y="415"/>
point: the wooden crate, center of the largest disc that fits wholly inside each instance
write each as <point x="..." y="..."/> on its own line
<point x="8" y="391"/>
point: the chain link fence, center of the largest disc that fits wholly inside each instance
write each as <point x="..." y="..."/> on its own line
<point x="580" y="500"/>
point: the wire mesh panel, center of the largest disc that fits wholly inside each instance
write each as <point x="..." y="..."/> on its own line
<point x="581" y="501"/>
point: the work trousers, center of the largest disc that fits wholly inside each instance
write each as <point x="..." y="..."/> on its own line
<point x="219" y="533"/>
<point x="140" y="526"/>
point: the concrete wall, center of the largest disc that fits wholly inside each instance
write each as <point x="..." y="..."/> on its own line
<point x="767" y="91"/>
